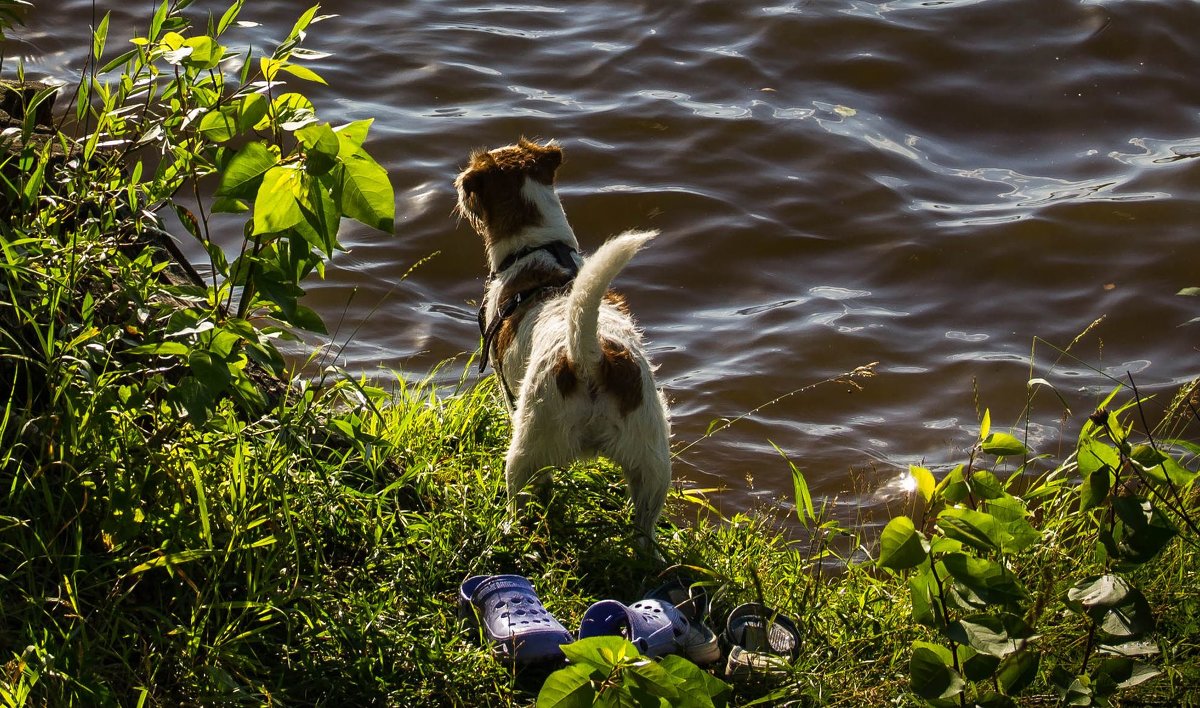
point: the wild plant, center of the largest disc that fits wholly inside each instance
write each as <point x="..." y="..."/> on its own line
<point x="978" y="536"/>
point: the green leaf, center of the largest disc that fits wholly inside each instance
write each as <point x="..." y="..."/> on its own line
<point x="303" y="72"/>
<point x="985" y="485"/>
<point x="1003" y="445"/>
<point x="276" y="206"/>
<point x="976" y="666"/>
<point x="321" y="218"/>
<point x="321" y="147"/>
<point x="930" y="675"/>
<point x="244" y="174"/>
<point x="363" y="191"/>
<point x="351" y="136"/>
<point x="1018" y="671"/>
<point x="1093" y="455"/>
<point x="229" y="17"/>
<point x="924" y="481"/>
<point x="993" y="635"/>
<point x="1119" y="673"/>
<point x="99" y="37"/>
<point x="206" y="53"/>
<point x="570" y="687"/>
<point x="985" y="426"/>
<point x="601" y="653"/>
<point x="1192" y="292"/>
<point x="208" y="370"/>
<point x="926" y="607"/>
<point x="251" y="110"/>
<point x="161" y="349"/>
<point x="652" y="678"/>
<point x="219" y="125"/>
<point x="974" y="528"/>
<point x="697" y="687"/>
<point x="1140" y="533"/>
<point x="1102" y="591"/>
<point x="953" y="487"/>
<point x="901" y="545"/>
<point x="990" y="581"/>
<point x="1094" y="489"/>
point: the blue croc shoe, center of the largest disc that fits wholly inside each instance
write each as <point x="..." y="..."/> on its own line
<point x="653" y="626"/>
<point x="520" y="629"/>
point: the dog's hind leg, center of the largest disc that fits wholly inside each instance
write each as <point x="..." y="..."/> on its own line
<point x="648" y="473"/>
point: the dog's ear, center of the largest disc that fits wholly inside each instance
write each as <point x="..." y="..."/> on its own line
<point x="546" y="159"/>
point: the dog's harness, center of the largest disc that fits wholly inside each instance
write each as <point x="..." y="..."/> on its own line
<point x="564" y="255"/>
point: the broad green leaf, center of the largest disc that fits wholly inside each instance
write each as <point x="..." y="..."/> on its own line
<point x="1140" y="533"/>
<point x="219" y="125"/>
<point x="364" y="193"/>
<point x="570" y="687"/>
<point x="996" y="636"/>
<point x="206" y="54"/>
<point x="931" y="676"/>
<point x="1120" y="673"/>
<point x="601" y="653"/>
<point x="1099" y="591"/>
<point x="901" y="545"/>
<point x="1094" y="455"/>
<point x="251" y="110"/>
<point x="697" y="688"/>
<point x="652" y="678"/>
<point x="276" y="206"/>
<point x="1018" y="671"/>
<point x="953" y="487"/>
<point x="985" y="485"/>
<point x="985" y="426"/>
<point x="1003" y="445"/>
<point x="244" y="174"/>
<point x="321" y="147"/>
<point x="1094" y="489"/>
<point x="351" y="136"/>
<point x="974" y="528"/>
<point x="303" y="72"/>
<point x="926" y="607"/>
<point x="992" y="582"/>
<point x="321" y="217"/>
<point x="1167" y="471"/>
<point x="924" y="481"/>
<point x="161" y="349"/>
<point x="208" y="370"/>
<point x="977" y="666"/>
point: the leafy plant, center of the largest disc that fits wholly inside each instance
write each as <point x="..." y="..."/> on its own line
<point x="977" y="528"/>
<point x="609" y="671"/>
<point x="185" y="108"/>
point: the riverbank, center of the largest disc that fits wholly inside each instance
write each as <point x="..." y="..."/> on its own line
<point x="176" y="530"/>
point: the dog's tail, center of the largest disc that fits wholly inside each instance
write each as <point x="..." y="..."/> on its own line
<point x="583" y="304"/>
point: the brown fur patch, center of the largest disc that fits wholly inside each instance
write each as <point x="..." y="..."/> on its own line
<point x="620" y="375"/>
<point x="490" y="187"/>
<point x="532" y="276"/>
<point x="564" y="375"/>
<point x="617" y="300"/>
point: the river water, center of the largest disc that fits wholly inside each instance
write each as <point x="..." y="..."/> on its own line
<point x="929" y="185"/>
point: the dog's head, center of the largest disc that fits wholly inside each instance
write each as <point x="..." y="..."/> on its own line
<point x="499" y="190"/>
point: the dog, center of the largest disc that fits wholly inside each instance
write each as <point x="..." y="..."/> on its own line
<point x="571" y="364"/>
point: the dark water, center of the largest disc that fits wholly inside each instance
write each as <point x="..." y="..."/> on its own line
<point x="927" y="185"/>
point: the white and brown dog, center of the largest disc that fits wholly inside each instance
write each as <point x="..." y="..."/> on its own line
<point x="571" y="365"/>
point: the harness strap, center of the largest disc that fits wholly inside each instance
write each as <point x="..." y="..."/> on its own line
<point x="563" y="255"/>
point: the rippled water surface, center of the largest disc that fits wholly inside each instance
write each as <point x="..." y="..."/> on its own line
<point x="926" y="185"/>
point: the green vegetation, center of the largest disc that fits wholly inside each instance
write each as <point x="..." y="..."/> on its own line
<point x="178" y="527"/>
